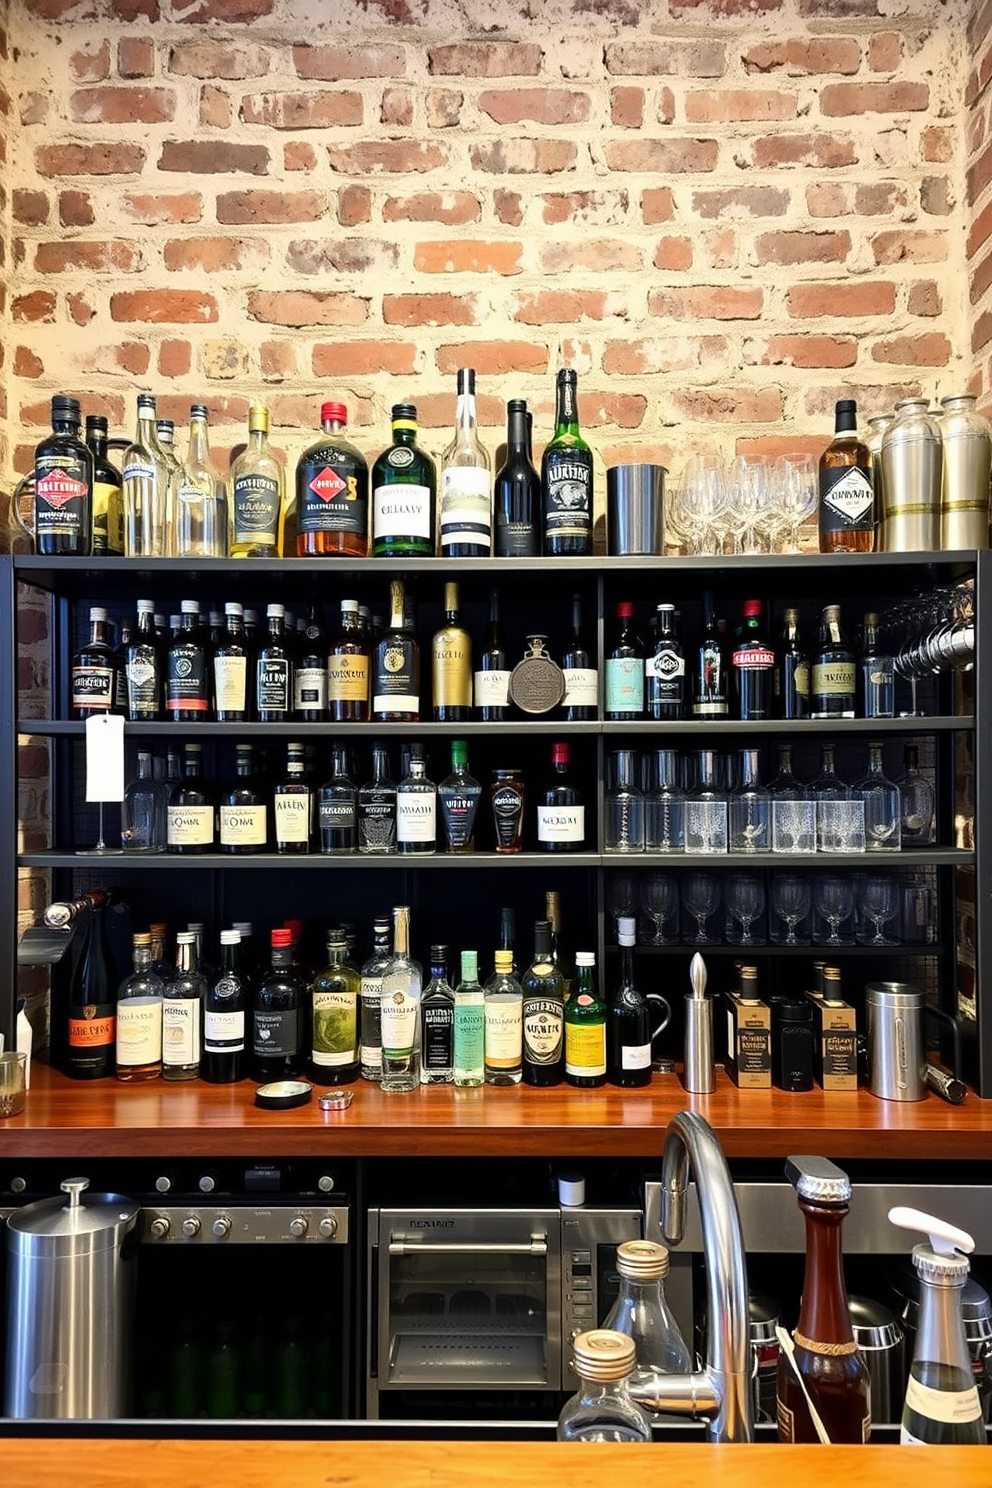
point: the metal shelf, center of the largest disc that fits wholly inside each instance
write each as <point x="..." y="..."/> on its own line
<point x="922" y="857"/>
<point x="170" y="862"/>
<point x="789" y="726"/>
<point x="769" y="948"/>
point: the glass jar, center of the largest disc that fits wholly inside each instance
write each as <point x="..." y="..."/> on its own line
<point x="601" y="1410"/>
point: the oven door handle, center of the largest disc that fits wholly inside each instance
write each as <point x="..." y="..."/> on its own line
<point x="538" y="1246"/>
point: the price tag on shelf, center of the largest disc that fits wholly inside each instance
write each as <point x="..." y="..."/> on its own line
<point x="105" y="757"/>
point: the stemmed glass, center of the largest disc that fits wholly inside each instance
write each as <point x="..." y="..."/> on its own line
<point x="748" y="493"/>
<point x="621" y="896"/>
<point x="660" y="903"/>
<point x="701" y="897"/>
<point x="744" y="899"/>
<point x="879" y="902"/>
<point x="799" y="494"/>
<point x="702" y="499"/>
<point x="833" y="899"/>
<point x="791" y="903"/>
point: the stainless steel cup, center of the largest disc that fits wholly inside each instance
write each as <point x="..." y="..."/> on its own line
<point x="635" y="509"/>
<point x="896" y="1052"/>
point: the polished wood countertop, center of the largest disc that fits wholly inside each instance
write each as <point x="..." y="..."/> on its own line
<point x="105" y="1118"/>
<point x="47" y="1463"/>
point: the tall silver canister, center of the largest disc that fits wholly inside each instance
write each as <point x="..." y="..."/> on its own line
<point x="877" y="426"/>
<point x="880" y="1343"/>
<point x="964" y="504"/>
<point x="70" y="1267"/>
<point x="912" y="475"/>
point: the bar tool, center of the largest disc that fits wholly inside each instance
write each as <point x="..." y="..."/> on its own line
<point x="699" y="1075"/>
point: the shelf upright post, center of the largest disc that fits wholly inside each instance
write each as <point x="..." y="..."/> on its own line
<point x="982" y="807"/>
<point x="8" y="797"/>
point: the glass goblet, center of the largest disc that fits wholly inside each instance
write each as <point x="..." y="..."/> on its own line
<point x="701" y="899"/>
<point x="744" y="900"/>
<point x="833" y="900"/>
<point x="660" y="903"/>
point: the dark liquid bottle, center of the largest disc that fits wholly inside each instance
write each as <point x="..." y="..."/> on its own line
<point x="543" y="1014"/>
<point x="754" y="667"/>
<point x="517" y="490"/>
<point x="833" y="685"/>
<point x="231" y="663"/>
<point x="710" y="683"/>
<point x="277" y="1018"/>
<point x="96" y="671"/>
<point x="274" y="671"/>
<point x="108" y="492"/>
<point x="664" y="670"/>
<point x="566" y="478"/>
<point x="492" y="678"/>
<point x="143" y="668"/>
<point x="581" y="682"/>
<point x="561" y="823"/>
<point x="792" y="670"/>
<point x="404" y="493"/>
<point x="628" y="1023"/>
<point x="92" y="1005"/>
<point x="63" y="486"/>
<point x="310" y="672"/>
<point x="396" y="676"/>
<point x="187" y="687"/>
<point x="244" y="826"/>
<point x="191" y="811"/>
<point x="224" y="1005"/>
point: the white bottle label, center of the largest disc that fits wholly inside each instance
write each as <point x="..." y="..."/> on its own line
<point x="580" y="687"/>
<point x="181" y="1030"/>
<point x="401" y="511"/>
<point x="292" y="818"/>
<point x="139" y="1030"/>
<point x="635" y="1057"/>
<point x="310" y="688"/>
<point x="399" y="1009"/>
<point x="561" y="823"/>
<point x="954" y="1407"/>
<point x="224" y="1033"/>
<point x="492" y="689"/>
<point x="504" y="1033"/>
<point x="191" y="826"/>
<point x="230" y="683"/>
<point x="243" y="826"/>
<point x="416" y="816"/>
<point x="465" y="511"/>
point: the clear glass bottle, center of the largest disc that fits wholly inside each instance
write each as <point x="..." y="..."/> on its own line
<point x="337" y="807"/>
<point x="377" y="807"/>
<point x="641" y="1312"/>
<point x="438" y="1018"/>
<point x="291" y="804"/>
<point x="138" y="1054"/>
<point x="750" y="807"/>
<point x="146" y="479"/>
<point x="585" y="1026"/>
<point x="258" y="490"/>
<point x="469" y="1025"/>
<point x="334" y="1004"/>
<point x="404" y="493"/>
<point x="624" y="806"/>
<point x="567" y="477"/>
<point x="883" y="805"/>
<point x="166" y="431"/>
<point x="459" y="795"/>
<point x="145" y="810"/>
<point x="466" y="482"/>
<point x="876" y="673"/>
<point x="916" y="798"/>
<point x="504" y="1023"/>
<point x="200" y="521"/>
<point x="664" y="805"/>
<point x="416" y="808"/>
<point x="370" y="997"/>
<point x="182" y="1013"/>
<point x="400" y="1011"/>
<point x="601" y="1410"/>
<point x="348" y="668"/>
<point x="451" y="664"/>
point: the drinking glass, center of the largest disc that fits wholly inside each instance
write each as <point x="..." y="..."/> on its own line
<point x="790" y="902"/>
<point x="660" y="903"/>
<point x="621" y="897"/>
<point x="701" y="899"/>
<point x="840" y="826"/>
<point x="793" y="826"/>
<point x="744" y="901"/>
<point x="878" y="901"/>
<point x="702" y="500"/>
<point x="833" y="901"/>
<point x="799" y="495"/>
<point x="13" y="1082"/>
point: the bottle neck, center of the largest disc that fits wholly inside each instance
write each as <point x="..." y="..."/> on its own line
<point x="585" y="982"/>
<point x="749" y="767"/>
<point x="230" y="958"/>
<point x="404" y="432"/>
<point x="147" y="434"/>
<point x="199" y="448"/>
<point x="98" y="633"/>
<point x="380" y="766"/>
<point x="824" y="1316"/>
<point x="626" y="967"/>
<point x="940" y="1337"/>
<point x="666" y="769"/>
<point x="401" y="936"/>
<point x="185" y="958"/>
<point x="624" y="769"/>
<point x="566" y="408"/>
<point x="144" y="767"/>
<point x="337" y="953"/>
<point x="242" y="766"/>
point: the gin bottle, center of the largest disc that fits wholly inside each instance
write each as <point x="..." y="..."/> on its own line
<point x="257" y="493"/>
<point x="146" y="801"/>
<point x="370" y="998"/>
<point x="469" y="1025"/>
<point x="438" y="1012"/>
<point x="200" y="518"/>
<point x="337" y="806"/>
<point x="400" y="1010"/>
<point x="459" y="793"/>
<point x="146" y="480"/>
<point x="883" y="807"/>
<point x="416" y="808"/>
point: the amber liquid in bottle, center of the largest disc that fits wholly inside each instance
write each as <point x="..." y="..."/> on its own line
<point x="846" y="516"/>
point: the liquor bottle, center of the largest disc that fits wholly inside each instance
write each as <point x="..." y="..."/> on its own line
<point x="507" y="798"/>
<point x="833" y="684"/>
<point x="404" y="493"/>
<point x="163" y="969"/>
<point x="438" y="1016"/>
<point x="552" y="913"/>
<point x="258" y="486"/>
<point x="876" y="674"/>
<point x="561" y="825"/>
<point x="191" y="810"/>
<point x="377" y="807"/>
<point x="62" y="913"/>
<point x="348" y="669"/>
<point x="883" y="805"/>
<point x="224" y="1005"/>
<point x="585" y="1026"/>
<point x="847" y="513"/>
<point x="581" y="681"/>
<point x="187" y="685"/>
<point x="517" y="490"/>
<point x="332" y="493"/>
<point x="791" y="670"/>
<point x="624" y="693"/>
<point x="507" y="934"/>
<point x="664" y="670"/>
<point x="182" y="1013"/>
<point x="144" y="810"/>
<point x="274" y="671"/>
<point x="337" y="807"/>
<point x="277" y="1015"/>
<point x="63" y="486"/>
<point x="334" y="1001"/>
<point x="400" y="1010"/>
<point x="642" y="1313"/>
<point x="92" y="1006"/>
<point x="244" y="817"/>
<point x="602" y="1408"/>
<point x="291" y="804"/>
<point x="492" y="678"/>
<point x="543" y="1014"/>
<point x="623" y="806"/>
<point x="566" y="478"/>
<point x="370" y="997"/>
<point x="466" y="482"/>
<point x="628" y="1022"/>
<point x="754" y="667"/>
<point x="832" y="1373"/>
<point x="230" y="667"/>
<point x="96" y="669"/>
<point x="459" y="795"/>
<point x="916" y="801"/>
<point x="451" y="665"/>
<point x="138" y="1053"/>
<point x="143" y="672"/>
<point x="504" y="1023"/>
<point x="710" y="680"/>
<point x="165" y="430"/>
<point x="416" y="808"/>
<point x="108" y="492"/>
<point x="200" y="521"/>
<point x="145" y="477"/>
<point x="469" y="1040"/>
<point x="124" y="634"/>
<point x="310" y="671"/>
<point x="396" y="671"/>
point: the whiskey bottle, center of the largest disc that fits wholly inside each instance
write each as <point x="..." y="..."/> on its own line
<point x="277" y="1015"/>
<point x="138" y="1053"/>
<point x="310" y="672"/>
<point x="274" y="671"/>
<point x="182" y="1013"/>
<point x="664" y="670"/>
<point x="517" y="490"/>
<point x="96" y="668"/>
<point x="146" y="480"/>
<point x="581" y="681"/>
<point x="466" y="494"/>
<point x="791" y="670"/>
<point x="543" y="1014"/>
<point x="63" y="486"/>
<point x="833" y="686"/>
<point x="377" y="807"/>
<point x="567" y="478"/>
<point x="560" y="814"/>
<point x="504" y="1023"/>
<point x="624" y="693"/>
<point x="404" y="493"/>
<point x="370" y="996"/>
<point x="291" y="804"/>
<point x="492" y="679"/>
<point x="876" y="674"/>
<point x="416" y="808"/>
<point x="348" y="669"/>
<point x="451" y="664"/>
<point x="191" y="807"/>
<point x="332" y="493"/>
<point x="847" y="496"/>
<point x="754" y="667"/>
<point x="244" y="823"/>
<point x="231" y="668"/>
<point x="337" y="807"/>
<point x="143" y="668"/>
<point x="710" y="680"/>
<point x="396" y="674"/>
<point x="334" y="1001"/>
<point x="187" y="686"/>
<point x="585" y="1027"/>
<point x="459" y="795"/>
<point x="108" y="492"/>
<point x="200" y="521"/>
<point x="257" y="493"/>
<point x="92" y="1010"/>
<point x="224" y="1007"/>
<point x="508" y="795"/>
<point x="400" y="1011"/>
<point x="438" y="1015"/>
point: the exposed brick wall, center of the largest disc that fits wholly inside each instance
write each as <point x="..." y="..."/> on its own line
<point x="978" y="196"/>
<point x="6" y="122"/>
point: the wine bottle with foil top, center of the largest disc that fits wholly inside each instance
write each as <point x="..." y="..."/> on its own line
<point x="517" y="490"/>
<point x="396" y="672"/>
<point x="451" y="664"/>
<point x="332" y="493"/>
<point x="567" y="478"/>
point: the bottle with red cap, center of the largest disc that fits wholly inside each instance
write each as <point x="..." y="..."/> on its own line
<point x="277" y="1015"/>
<point x="332" y="493"/>
<point x="625" y="669"/>
<point x="753" y="666"/>
<point x="561" y="816"/>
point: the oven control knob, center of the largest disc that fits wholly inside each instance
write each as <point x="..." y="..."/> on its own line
<point x="163" y="1184"/>
<point x="221" y="1227"/>
<point x="328" y="1227"/>
<point x="160" y="1227"/>
<point x="298" y="1226"/>
<point x="207" y="1183"/>
<point x="18" y="1185"/>
<point x="325" y="1183"/>
<point x="191" y="1226"/>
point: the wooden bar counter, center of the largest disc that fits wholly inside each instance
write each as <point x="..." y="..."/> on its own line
<point x="46" y="1463"/>
<point x="104" y="1118"/>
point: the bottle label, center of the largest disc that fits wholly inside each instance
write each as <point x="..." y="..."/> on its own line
<point x="635" y="1056"/>
<point x="950" y="1407"/>
<point x="276" y="1033"/>
<point x="94" y="1029"/>
<point x="452" y="674"/>
<point x="224" y="1032"/>
<point x="93" y="687"/>
<point x="369" y="997"/>
<point x="181" y="1030"/>
<point x="664" y="666"/>
<point x="398" y="1016"/>
<point x="439" y="1019"/>
<point x="469" y="1037"/>
<point x="377" y="824"/>
<point x="190" y="826"/>
<point x="581" y="687"/>
<point x="585" y="1047"/>
<point x="243" y="826"/>
<point x="272" y="681"/>
<point x="256" y="508"/>
<point x="847" y="497"/>
<point x="348" y="679"/>
<point x="835" y="678"/>
<point x="230" y="683"/>
<point x="567" y="481"/>
<point x="624" y="685"/>
<point x="61" y="489"/>
<point x="292" y="817"/>
<point x="142" y="685"/>
<point x="561" y="823"/>
<point x="515" y="540"/>
<point x="401" y="511"/>
<point x="504" y="1034"/>
<point x="395" y="685"/>
<point x="335" y="1027"/>
<point x="458" y="810"/>
<point x="465" y="510"/>
<point x="755" y="658"/>
<point x="338" y="816"/>
<point x="186" y="678"/>
<point x="508" y="805"/>
<point x="332" y="499"/>
<point x="139" y="1030"/>
<point x="543" y="1025"/>
<point x="310" y="689"/>
<point x="492" y="689"/>
<point x="416" y="816"/>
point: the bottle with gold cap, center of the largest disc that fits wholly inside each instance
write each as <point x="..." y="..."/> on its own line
<point x="257" y="493"/>
<point x="641" y="1311"/>
<point x="601" y="1410"/>
<point x="451" y="664"/>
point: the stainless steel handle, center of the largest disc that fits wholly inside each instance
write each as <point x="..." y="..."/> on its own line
<point x="535" y="1246"/>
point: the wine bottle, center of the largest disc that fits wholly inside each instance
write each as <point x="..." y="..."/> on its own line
<point x="517" y="490"/>
<point x="625" y="670"/>
<point x="63" y="486"/>
<point x="543" y="1014"/>
<point x="108" y="492"/>
<point x="560" y="814"/>
<point x="466" y="496"/>
<point x="404" y="493"/>
<point x="224" y="1007"/>
<point x="396" y="679"/>
<point x="581" y="682"/>
<point x="566" y="478"/>
<point x="492" y="678"/>
<point x="277" y="1015"/>
<point x="791" y="670"/>
<point x="628" y="1026"/>
<point x="92" y="1003"/>
<point x="292" y="804"/>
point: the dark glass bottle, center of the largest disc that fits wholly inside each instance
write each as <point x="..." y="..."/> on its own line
<point x="561" y="825"/>
<point x="438" y="1019"/>
<point x="244" y="824"/>
<point x="310" y="671"/>
<point x="332" y="493"/>
<point x="492" y="679"/>
<point x="624" y="692"/>
<point x="833" y="682"/>
<point x="847" y="496"/>
<point x="508" y="795"/>
<point x="291" y="804"/>
<point x="396" y="673"/>
<point x="92" y="1003"/>
<point x="458" y="797"/>
<point x="108" y="492"/>
<point x="277" y="1016"/>
<point x="876" y="674"/>
<point x="451" y="664"/>
<point x="96" y="671"/>
<point x="191" y="810"/>
<point x="517" y="490"/>
<point x="664" y="670"/>
<point x="63" y="486"/>
<point x="404" y="493"/>
<point x="143" y="668"/>
<point x="791" y="670"/>
<point x="231" y="668"/>
<point x="274" y="671"/>
<point x="710" y="680"/>
<point x="585" y="1027"/>
<point x="628" y="1023"/>
<point x="334" y="1002"/>
<point x="543" y="1014"/>
<point x="337" y="807"/>
<point x="566" y="478"/>
<point x="224" y="1008"/>
<point x="377" y="807"/>
<point x="754" y="667"/>
<point x="187" y="685"/>
<point x="581" y="682"/>
<point x="348" y="669"/>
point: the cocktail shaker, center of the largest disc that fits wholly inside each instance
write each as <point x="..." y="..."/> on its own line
<point x="912" y="474"/>
<point x="967" y="447"/>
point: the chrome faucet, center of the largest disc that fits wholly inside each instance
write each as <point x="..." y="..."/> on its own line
<point x="722" y="1391"/>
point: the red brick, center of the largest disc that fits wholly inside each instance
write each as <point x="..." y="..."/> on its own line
<point x="931" y="349"/>
<point x="978" y="233"/>
<point x="838" y="99"/>
<point x="567" y="306"/>
<point x="111" y="255"/>
<point x="981" y="278"/>
<point x="802" y="247"/>
<point x="800" y="351"/>
<point x="29" y="208"/>
<point x="485" y="59"/>
<point x="746" y="8"/>
<point x="134" y="10"/>
<point x="346" y="255"/>
<point x="730" y="405"/>
<point x="386" y="157"/>
<point x="91" y="66"/>
<point x="133" y="357"/>
<point x="136" y="57"/>
<point x="981" y="332"/>
<point x="448" y="208"/>
<point x="354" y="205"/>
<point x="164" y="306"/>
<point x="467" y="256"/>
<point x="841" y="199"/>
<point x="591" y="208"/>
<point x="665" y="110"/>
<point x="925" y="299"/>
<point x="657" y="354"/>
<point x="508" y="206"/>
<point x="825" y="151"/>
<point x="657" y="204"/>
<point x="444" y="108"/>
<point x="619" y="410"/>
<point x="217" y="59"/>
<point x="707" y="302"/>
<point x="738" y="105"/>
<point x="81" y="309"/>
<point x="241" y="207"/>
<point x="841" y="301"/>
<point x="213" y="157"/>
<point x="802" y="54"/>
<point x="277" y="360"/>
<point x="111" y="105"/>
<point x="216" y="108"/>
<point x="673" y="254"/>
<point x="174" y="358"/>
<point x="661" y="156"/>
<point x="906" y="246"/>
<point x="154" y="207"/>
<point x="979" y="174"/>
<point x="298" y="155"/>
<point x="302" y="110"/>
<point x="429" y="309"/>
<point x="651" y="58"/>
<point x="627" y="107"/>
<point x="494" y="358"/>
<point x="397" y="108"/>
<point x="27" y="363"/>
<point x="39" y="304"/>
<point x="231" y="11"/>
<point x="598" y="255"/>
<point x="937" y="145"/>
<point x="76" y="209"/>
<point x="742" y="201"/>
<point x="332" y="64"/>
<point x="298" y="307"/>
<point x="211" y="254"/>
<point x="89" y="160"/>
<point x="885" y="51"/>
<point x="549" y="106"/>
<point x="365" y="358"/>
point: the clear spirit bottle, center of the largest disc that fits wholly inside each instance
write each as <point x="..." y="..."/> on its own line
<point x="416" y="808"/>
<point x="258" y="486"/>
<point x="438" y="1014"/>
<point x="624" y="806"/>
<point x="916" y="796"/>
<point x="144" y="812"/>
<point x="200" y="523"/>
<point x="146" y="479"/>
<point x="883" y="805"/>
<point x="370" y="998"/>
<point x="377" y="807"/>
<point x="400" y="1010"/>
<point x="504" y="1023"/>
<point x="602" y="1409"/>
<point x="466" y="482"/>
<point x="337" y="807"/>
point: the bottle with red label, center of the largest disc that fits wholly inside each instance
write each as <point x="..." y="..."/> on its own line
<point x="63" y="485"/>
<point x="96" y="670"/>
<point x="753" y="667"/>
<point x="92" y="1021"/>
<point x="332" y="493"/>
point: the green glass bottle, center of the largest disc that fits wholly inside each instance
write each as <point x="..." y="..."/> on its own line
<point x="404" y="493"/>
<point x="334" y="1057"/>
<point x="585" y="1026"/>
<point x="566" y="478"/>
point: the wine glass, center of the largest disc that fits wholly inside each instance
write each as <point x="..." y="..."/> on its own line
<point x="799" y="495"/>
<point x="744" y="899"/>
<point x="660" y="902"/>
<point x="791" y="900"/>
<point x="833" y="899"/>
<point x="701" y="897"/>
<point x="878" y="902"/>
<point x="621" y="896"/>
